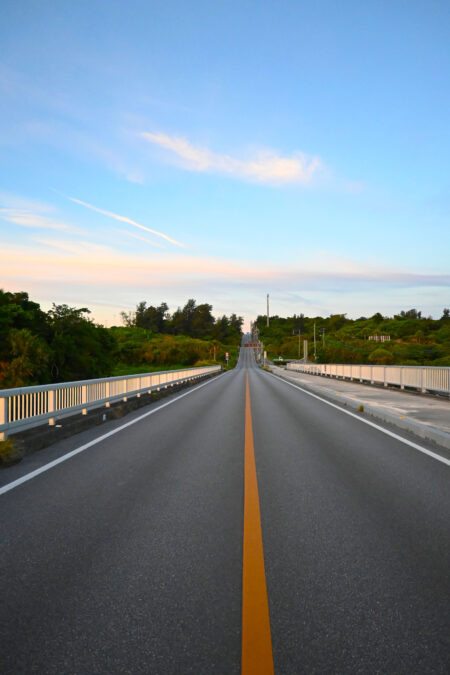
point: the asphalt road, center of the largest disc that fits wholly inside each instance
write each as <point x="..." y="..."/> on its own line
<point x="128" y="557"/>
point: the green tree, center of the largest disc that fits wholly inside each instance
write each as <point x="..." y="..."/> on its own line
<point x="411" y="314"/>
<point x="182" y="319"/>
<point x="381" y="356"/>
<point x="377" y="318"/>
<point x="128" y="318"/>
<point x="202" y="321"/>
<point x="236" y="323"/>
<point x="80" y="349"/>
<point x="221" y="328"/>
<point x="150" y="317"/>
<point x="28" y="359"/>
<point x="18" y="311"/>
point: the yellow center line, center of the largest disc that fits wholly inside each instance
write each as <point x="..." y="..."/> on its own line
<point x="257" y="656"/>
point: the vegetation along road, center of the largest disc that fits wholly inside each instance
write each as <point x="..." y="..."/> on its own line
<point x="242" y="526"/>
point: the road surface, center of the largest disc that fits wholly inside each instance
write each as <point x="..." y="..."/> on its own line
<point x="243" y="527"/>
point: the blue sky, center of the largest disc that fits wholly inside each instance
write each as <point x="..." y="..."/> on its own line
<point x="167" y="150"/>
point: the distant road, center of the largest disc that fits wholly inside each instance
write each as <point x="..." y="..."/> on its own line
<point x="245" y="527"/>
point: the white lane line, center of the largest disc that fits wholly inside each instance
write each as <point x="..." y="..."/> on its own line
<point x="72" y="453"/>
<point x="444" y="460"/>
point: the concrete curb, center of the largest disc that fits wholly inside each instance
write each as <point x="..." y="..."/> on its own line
<point x="417" y="429"/>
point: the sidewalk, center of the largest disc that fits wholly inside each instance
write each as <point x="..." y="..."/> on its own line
<point x="420" y="414"/>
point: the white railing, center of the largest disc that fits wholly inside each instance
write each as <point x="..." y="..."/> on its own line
<point x="425" y="378"/>
<point x="28" y="407"/>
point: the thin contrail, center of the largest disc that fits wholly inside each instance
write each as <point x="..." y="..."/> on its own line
<point x="124" y="219"/>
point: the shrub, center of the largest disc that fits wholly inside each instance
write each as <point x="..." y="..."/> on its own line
<point x="381" y="356"/>
<point x="9" y="453"/>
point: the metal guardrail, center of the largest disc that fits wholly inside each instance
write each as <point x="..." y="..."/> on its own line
<point x="426" y="378"/>
<point x="27" y="407"/>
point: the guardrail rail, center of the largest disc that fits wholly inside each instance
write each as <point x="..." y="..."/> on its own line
<point x="27" y="407"/>
<point x="425" y="378"/>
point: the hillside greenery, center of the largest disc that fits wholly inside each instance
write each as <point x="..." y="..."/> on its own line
<point x="414" y="340"/>
<point x="64" y="344"/>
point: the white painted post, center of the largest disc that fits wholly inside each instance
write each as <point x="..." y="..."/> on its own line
<point x="108" y="394"/>
<point x="3" y="415"/>
<point x="84" y="398"/>
<point x="125" y="398"/>
<point x="51" y="406"/>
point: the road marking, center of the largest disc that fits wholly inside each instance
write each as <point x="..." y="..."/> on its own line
<point x="416" y="446"/>
<point x="72" y="453"/>
<point x="257" y="656"/>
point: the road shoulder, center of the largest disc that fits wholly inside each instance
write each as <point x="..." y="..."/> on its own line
<point x="431" y="433"/>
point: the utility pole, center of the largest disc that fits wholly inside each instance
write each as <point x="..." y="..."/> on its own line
<point x="267" y="310"/>
<point x="314" y="339"/>
<point x="299" y="333"/>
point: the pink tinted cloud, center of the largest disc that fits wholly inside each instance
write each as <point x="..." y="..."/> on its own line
<point x="85" y="262"/>
<point x="264" y="166"/>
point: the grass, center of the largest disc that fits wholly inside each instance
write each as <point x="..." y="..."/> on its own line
<point x="8" y="452"/>
<point x="126" y="369"/>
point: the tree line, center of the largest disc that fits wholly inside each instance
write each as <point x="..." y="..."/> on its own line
<point x="64" y="343"/>
<point x="414" y="339"/>
<point x="193" y="320"/>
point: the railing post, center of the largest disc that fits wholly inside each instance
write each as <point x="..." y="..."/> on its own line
<point x="108" y="394"/>
<point x="3" y="415"/>
<point x="51" y="406"/>
<point x="84" y="398"/>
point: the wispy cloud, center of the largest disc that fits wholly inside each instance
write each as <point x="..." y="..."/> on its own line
<point x="13" y="201"/>
<point x="28" y="219"/>
<point x="26" y="213"/>
<point x="82" y="249"/>
<point x="124" y="219"/>
<point x="264" y="167"/>
<point x="137" y="236"/>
